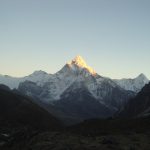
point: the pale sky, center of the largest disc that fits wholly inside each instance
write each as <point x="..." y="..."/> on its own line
<point x="112" y="35"/>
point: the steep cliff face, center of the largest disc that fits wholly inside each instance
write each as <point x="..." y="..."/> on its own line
<point x="138" y="106"/>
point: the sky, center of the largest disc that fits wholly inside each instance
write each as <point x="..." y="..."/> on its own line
<point x="113" y="36"/>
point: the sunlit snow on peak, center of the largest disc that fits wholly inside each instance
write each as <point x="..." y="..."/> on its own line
<point x="80" y="62"/>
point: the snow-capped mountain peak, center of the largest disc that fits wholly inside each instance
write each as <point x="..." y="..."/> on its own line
<point x="135" y="84"/>
<point x="38" y="72"/>
<point x="39" y="77"/>
<point x="142" y="77"/>
<point x="79" y="62"/>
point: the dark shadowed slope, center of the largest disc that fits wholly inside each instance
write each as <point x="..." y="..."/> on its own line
<point x="79" y="103"/>
<point x="138" y="106"/>
<point x="17" y="111"/>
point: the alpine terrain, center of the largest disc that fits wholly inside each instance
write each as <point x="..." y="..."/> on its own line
<point x="100" y="112"/>
<point x="134" y="85"/>
<point x="77" y="91"/>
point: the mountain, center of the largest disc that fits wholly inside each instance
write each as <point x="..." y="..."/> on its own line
<point x="78" y="92"/>
<point x="69" y="72"/>
<point x="18" y="111"/>
<point x="101" y="88"/>
<point x="77" y="84"/>
<point x="78" y="102"/>
<point x="13" y="82"/>
<point x="134" y="85"/>
<point x="138" y="106"/>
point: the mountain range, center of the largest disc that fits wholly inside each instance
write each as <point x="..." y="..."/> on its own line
<point x="75" y="108"/>
<point x="77" y="91"/>
<point x="69" y="71"/>
<point x="25" y="125"/>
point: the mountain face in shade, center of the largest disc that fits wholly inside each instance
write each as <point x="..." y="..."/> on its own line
<point x="138" y="106"/>
<point x="78" y="102"/>
<point x="134" y="85"/>
<point x="19" y="111"/>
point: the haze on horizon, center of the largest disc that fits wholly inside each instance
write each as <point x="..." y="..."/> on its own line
<point x="112" y="36"/>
